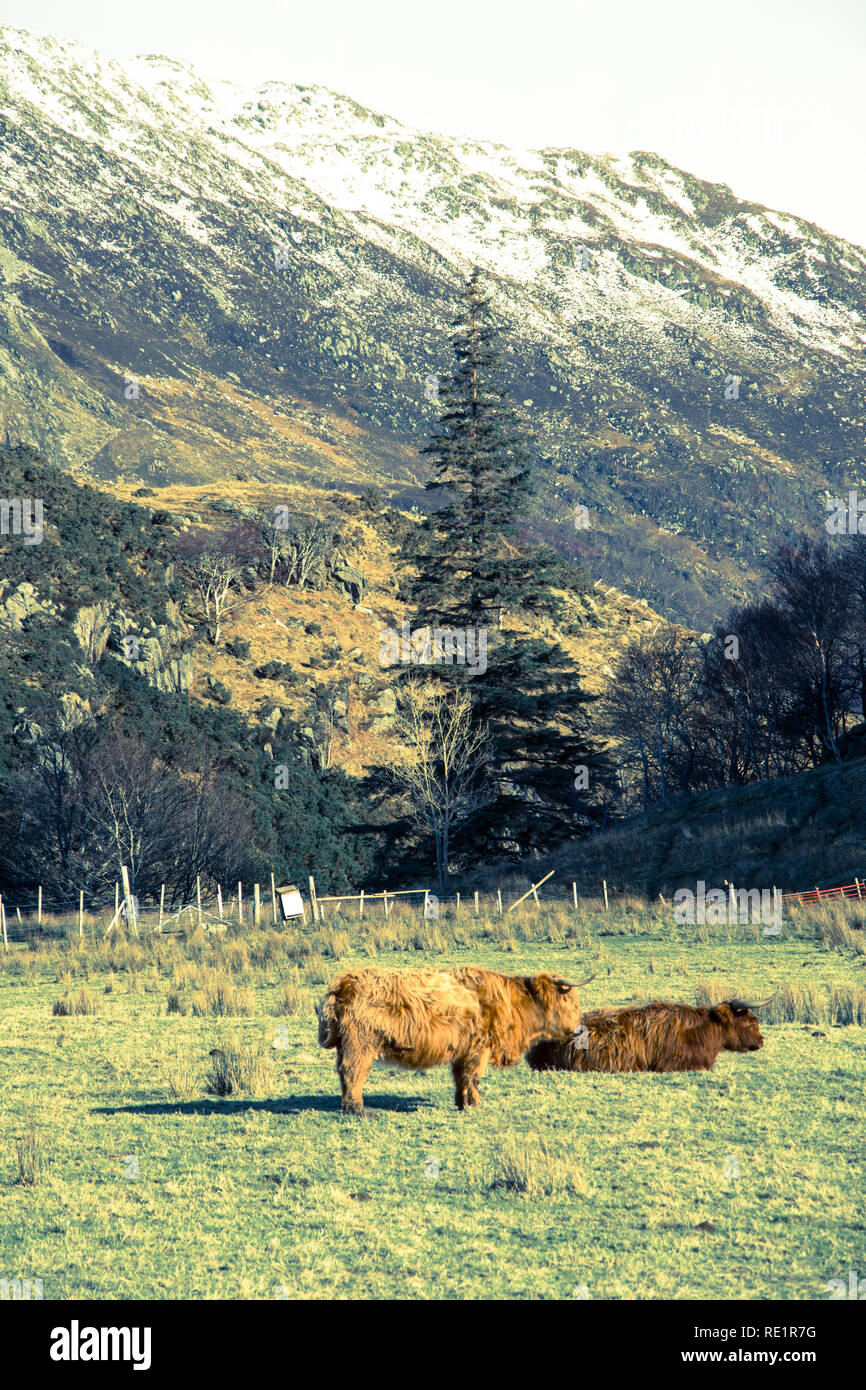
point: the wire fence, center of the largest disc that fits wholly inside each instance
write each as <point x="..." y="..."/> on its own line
<point x="855" y="891"/>
<point x="41" y="917"/>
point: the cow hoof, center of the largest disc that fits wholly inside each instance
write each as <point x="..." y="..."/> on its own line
<point x="355" y="1110"/>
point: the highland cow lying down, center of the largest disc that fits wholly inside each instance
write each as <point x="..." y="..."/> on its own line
<point x="655" y="1037"/>
<point x="467" y="1017"/>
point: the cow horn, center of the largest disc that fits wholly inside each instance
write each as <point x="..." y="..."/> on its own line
<point x="589" y="979"/>
<point x="762" y="1003"/>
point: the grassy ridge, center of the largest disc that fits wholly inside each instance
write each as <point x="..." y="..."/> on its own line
<point x="744" y="1182"/>
<point x="796" y="832"/>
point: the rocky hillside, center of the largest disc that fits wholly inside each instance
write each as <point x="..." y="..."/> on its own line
<point x="202" y="282"/>
<point x="103" y="603"/>
<point x="309" y="659"/>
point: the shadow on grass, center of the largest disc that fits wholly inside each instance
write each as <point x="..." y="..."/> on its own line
<point x="288" y="1105"/>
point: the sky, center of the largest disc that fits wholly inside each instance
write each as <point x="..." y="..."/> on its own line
<point x="768" y="96"/>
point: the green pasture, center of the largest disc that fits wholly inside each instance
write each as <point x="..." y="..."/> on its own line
<point x="122" y="1177"/>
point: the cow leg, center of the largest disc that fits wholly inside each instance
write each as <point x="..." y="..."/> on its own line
<point x="467" y="1072"/>
<point x="354" y="1067"/>
<point x="478" y="1068"/>
<point x="461" y="1091"/>
<point x="340" y="1070"/>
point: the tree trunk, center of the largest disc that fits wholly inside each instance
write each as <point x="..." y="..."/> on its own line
<point x="440" y="864"/>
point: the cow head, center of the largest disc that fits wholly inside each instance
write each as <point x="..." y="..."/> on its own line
<point x="559" y="1003"/>
<point x="741" y="1029"/>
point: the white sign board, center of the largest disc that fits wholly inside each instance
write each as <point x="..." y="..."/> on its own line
<point x="291" y="902"/>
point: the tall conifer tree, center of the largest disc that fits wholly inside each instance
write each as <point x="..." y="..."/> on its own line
<point x="472" y="573"/>
<point x="465" y="573"/>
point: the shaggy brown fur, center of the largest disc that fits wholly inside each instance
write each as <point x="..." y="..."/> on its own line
<point x="467" y="1017"/>
<point x="655" y="1037"/>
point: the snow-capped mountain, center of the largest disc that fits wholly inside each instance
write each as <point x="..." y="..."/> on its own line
<point x="200" y="279"/>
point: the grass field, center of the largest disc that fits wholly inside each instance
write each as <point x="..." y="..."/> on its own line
<point x="122" y="1177"/>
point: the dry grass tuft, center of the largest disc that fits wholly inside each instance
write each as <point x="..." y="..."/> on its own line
<point x="31" y="1164"/>
<point x="293" y="1000"/>
<point x="238" y="1069"/>
<point x="181" y="1077"/>
<point x="528" y="1167"/>
<point x="838" y="931"/>
<point x="222" y="999"/>
<point x="82" y="1002"/>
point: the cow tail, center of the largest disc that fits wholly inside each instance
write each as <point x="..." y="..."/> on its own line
<point x="326" y="1013"/>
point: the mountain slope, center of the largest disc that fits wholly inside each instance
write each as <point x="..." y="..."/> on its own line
<point x="201" y="281"/>
<point x="797" y="832"/>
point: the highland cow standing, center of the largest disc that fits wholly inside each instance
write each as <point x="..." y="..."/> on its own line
<point x="655" y="1037"/>
<point x="467" y="1017"/>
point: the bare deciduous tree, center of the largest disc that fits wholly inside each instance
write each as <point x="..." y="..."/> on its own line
<point x="272" y="530"/>
<point x="93" y="799"/>
<point x="311" y="541"/>
<point x="647" y="709"/>
<point x="446" y="780"/>
<point x="213" y="565"/>
<point x="813" y="591"/>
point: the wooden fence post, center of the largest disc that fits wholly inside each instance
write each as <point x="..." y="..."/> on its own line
<point x="127" y="899"/>
<point x="361" y="904"/>
<point x="116" y="897"/>
<point x="161" y="904"/>
<point x="257" y="914"/>
<point x="499" y="900"/>
<point x="111" y="924"/>
<point x="574" y="894"/>
<point x="314" y="902"/>
<point x="240" y="903"/>
<point x="457" y="906"/>
<point x="476" y="902"/>
<point x="274" y="898"/>
<point x="385" y="900"/>
<point x="3" y="923"/>
<point x="198" y="896"/>
<point x="220" y="899"/>
<point x="531" y="889"/>
<point x="859" y="894"/>
<point x="604" y="886"/>
<point x="39" y="907"/>
<point x="80" y="914"/>
<point x="426" y="901"/>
